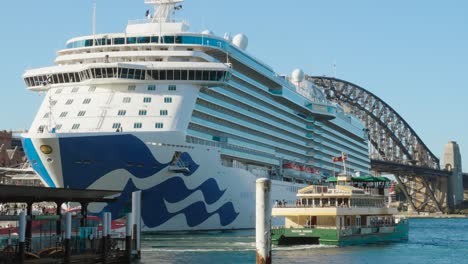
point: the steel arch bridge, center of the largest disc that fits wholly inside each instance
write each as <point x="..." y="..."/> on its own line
<point x="395" y="146"/>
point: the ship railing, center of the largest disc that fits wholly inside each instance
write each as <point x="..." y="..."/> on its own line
<point x="224" y="145"/>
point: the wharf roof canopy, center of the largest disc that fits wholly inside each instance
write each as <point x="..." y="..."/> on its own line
<point x="25" y="194"/>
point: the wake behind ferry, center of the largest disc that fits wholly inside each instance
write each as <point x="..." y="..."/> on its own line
<point x="189" y="118"/>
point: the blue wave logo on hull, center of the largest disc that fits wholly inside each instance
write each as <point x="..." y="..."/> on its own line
<point x="155" y="212"/>
<point x="86" y="159"/>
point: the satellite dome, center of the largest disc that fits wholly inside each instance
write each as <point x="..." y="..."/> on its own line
<point x="241" y="41"/>
<point x="297" y="75"/>
<point x="207" y="32"/>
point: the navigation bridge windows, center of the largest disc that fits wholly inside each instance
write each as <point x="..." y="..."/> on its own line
<point x="129" y="73"/>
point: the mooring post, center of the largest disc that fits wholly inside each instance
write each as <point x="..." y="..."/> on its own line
<point x="105" y="232"/>
<point x="136" y="209"/>
<point x="263" y="221"/>
<point x="67" y="242"/>
<point x="128" y="238"/>
<point x="22" y="236"/>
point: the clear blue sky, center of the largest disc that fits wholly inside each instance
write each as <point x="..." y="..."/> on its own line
<point x="412" y="54"/>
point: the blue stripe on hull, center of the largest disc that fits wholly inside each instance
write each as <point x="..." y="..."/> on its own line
<point x="36" y="162"/>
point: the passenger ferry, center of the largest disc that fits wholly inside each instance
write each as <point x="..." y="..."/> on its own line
<point x="340" y="215"/>
<point x="190" y="118"/>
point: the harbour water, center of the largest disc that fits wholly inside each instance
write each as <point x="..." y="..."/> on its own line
<point x="430" y="241"/>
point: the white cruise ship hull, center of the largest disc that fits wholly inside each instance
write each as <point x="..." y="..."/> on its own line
<point x="203" y="195"/>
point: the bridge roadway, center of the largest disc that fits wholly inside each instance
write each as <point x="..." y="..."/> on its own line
<point x="395" y="146"/>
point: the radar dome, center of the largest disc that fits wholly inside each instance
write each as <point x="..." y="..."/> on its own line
<point x="297" y="75"/>
<point x="207" y="32"/>
<point x="241" y="41"/>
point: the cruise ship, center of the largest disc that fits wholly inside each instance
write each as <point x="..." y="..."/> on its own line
<point x="191" y="119"/>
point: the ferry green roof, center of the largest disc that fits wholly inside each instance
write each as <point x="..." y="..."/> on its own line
<point x="363" y="179"/>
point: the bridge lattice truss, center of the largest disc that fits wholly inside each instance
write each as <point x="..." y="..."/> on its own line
<point x="393" y="141"/>
<point x="392" y="138"/>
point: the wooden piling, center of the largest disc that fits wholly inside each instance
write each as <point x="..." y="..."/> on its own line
<point x="263" y="221"/>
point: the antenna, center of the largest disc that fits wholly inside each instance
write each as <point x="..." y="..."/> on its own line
<point x="94" y="20"/>
<point x="334" y="69"/>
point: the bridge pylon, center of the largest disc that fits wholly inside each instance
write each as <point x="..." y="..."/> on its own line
<point x="452" y="163"/>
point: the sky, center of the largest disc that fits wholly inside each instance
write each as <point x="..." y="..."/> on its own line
<point x="412" y="54"/>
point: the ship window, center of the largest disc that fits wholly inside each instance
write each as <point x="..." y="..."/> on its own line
<point x="116" y="125"/>
<point x="137" y="125"/>
<point x="75" y="126"/>
<point x="69" y="102"/>
<point x="167" y="100"/>
<point x="162" y="75"/>
<point x="206" y="75"/>
<point x="87" y="101"/>
<point x="198" y="75"/>
<point x="163" y="112"/>
<point x="81" y="113"/>
<point x="63" y="114"/>
<point x="131" y="40"/>
<point x="57" y="127"/>
<point x="131" y="74"/>
<point x="98" y="72"/>
<point x="172" y="87"/>
<point x="142" y="112"/>
<point x="122" y="112"/>
<point x="154" y="39"/>
<point x="151" y="87"/>
<point x="54" y="102"/>
<point x="60" y="78"/>
<point x="92" y="89"/>
<point x="75" y="90"/>
<point x="143" y="40"/>
<point x="65" y="78"/>
<point x="170" y="75"/>
<point x="147" y="100"/>
<point x="131" y="88"/>
<point x="119" y="41"/>
<point x="41" y="129"/>
<point x="124" y="73"/>
<point x="177" y="75"/>
<point x="159" y="125"/>
<point x="58" y="91"/>
<point x="191" y="75"/>
<point x="127" y="99"/>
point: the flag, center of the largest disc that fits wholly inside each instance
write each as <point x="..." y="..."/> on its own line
<point x="341" y="158"/>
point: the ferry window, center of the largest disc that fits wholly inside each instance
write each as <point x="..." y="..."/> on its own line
<point x="131" y="40"/>
<point x="213" y="76"/>
<point x="60" y="77"/>
<point x="151" y="87"/>
<point x="81" y="113"/>
<point x="137" y="125"/>
<point x="159" y="125"/>
<point x="54" y="102"/>
<point x="75" y="126"/>
<point x="142" y="112"/>
<point x="57" y="127"/>
<point x="143" y="40"/>
<point x="172" y="87"/>
<point x="92" y="89"/>
<point x="167" y="100"/>
<point x="119" y="41"/>
<point x="163" y="112"/>
<point x="131" y="88"/>
<point x="75" y="90"/>
<point x="169" y="39"/>
<point x="63" y="114"/>
<point x="69" y="102"/>
<point x="65" y="78"/>
<point x="121" y="112"/>
<point x="55" y="78"/>
<point x="147" y="100"/>
<point x="177" y="75"/>
<point x="138" y="75"/>
<point x="191" y="75"/>
<point x="178" y="39"/>
<point x="88" y="42"/>
<point x="126" y="100"/>
<point x="98" y="73"/>
<point x="170" y="75"/>
<point x="154" y="39"/>
<point x="87" y="101"/>
<point x="220" y="75"/>
<point x="116" y="125"/>
<point x="46" y="115"/>
<point x="155" y="75"/>
<point x="58" y="91"/>
<point x="41" y="129"/>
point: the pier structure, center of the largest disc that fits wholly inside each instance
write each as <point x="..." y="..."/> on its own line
<point x="71" y="247"/>
<point x="397" y="149"/>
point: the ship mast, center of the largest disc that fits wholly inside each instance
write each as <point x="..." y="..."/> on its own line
<point x="163" y="9"/>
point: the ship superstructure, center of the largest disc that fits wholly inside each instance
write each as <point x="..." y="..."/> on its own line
<point x="190" y="118"/>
